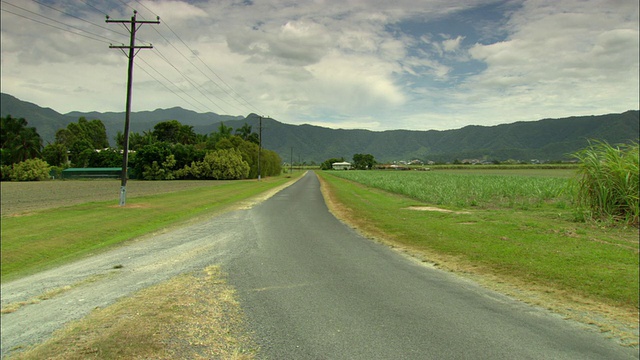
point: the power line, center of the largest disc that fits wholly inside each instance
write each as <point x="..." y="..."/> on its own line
<point x="193" y="83"/>
<point x="79" y="18"/>
<point x="237" y="95"/>
<point x="213" y="72"/>
<point x="226" y="89"/>
<point x="192" y="64"/>
<point x="60" y="28"/>
<point x="168" y="88"/>
<point x="93" y="7"/>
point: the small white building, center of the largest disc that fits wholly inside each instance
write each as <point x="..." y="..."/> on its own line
<point x="341" y="166"/>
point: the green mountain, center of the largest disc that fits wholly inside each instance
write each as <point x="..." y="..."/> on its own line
<point x="548" y="139"/>
<point x="48" y="121"/>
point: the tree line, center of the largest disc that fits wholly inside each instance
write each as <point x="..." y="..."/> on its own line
<point x="169" y="151"/>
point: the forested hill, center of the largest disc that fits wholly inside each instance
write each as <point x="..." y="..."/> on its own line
<point x="48" y="121"/>
<point x="548" y="139"/>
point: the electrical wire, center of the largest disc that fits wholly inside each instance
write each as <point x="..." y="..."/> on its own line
<point x="205" y="75"/>
<point x="79" y="18"/>
<point x="168" y="88"/>
<point x="193" y="83"/>
<point x="237" y="95"/>
<point x="97" y="37"/>
<point x="94" y="8"/>
<point x="55" y="21"/>
<point x="214" y="73"/>
<point x="60" y="28"/>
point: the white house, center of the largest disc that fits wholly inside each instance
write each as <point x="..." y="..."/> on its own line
<point x="341" y="166"/>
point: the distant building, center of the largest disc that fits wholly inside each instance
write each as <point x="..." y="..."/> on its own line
<point x="341" y="166"/>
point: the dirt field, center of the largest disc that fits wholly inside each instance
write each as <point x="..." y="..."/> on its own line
<point x="20" y="197"/>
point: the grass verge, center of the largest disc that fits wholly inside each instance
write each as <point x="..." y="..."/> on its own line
<point x="193" y="316"/>
<point x="536" y="254"/>
<point x="47" y="238"/>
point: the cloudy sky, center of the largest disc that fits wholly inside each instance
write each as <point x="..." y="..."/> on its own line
<point x="370" y="64"/>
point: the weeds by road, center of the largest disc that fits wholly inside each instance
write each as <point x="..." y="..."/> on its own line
<point x="191" y="316"/>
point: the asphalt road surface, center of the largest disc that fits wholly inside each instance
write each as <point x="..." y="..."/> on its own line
<point x="311" y="288"/>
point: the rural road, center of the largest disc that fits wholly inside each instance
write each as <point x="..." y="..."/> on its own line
<point x="311" y="288"/>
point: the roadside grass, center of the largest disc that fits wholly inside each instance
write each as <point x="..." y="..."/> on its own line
<point x="192" y="316"/>
<point x="531" y="243"/>
<point x="44" y="239"/>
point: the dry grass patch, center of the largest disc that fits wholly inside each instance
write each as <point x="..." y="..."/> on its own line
<point x="193" y="316"/>
<point x="437" y="209"/>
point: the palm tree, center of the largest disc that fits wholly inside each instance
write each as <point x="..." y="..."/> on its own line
<point x="19" y="142"/>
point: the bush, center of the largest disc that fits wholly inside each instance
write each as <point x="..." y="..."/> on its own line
<point x="56" y="172"/>
<point x="224" y="164"/>
<point x="607" y="183"/>
<point x="30" y="170"/>
<point x="5" y="172"/>
<point x="156" y="171"/>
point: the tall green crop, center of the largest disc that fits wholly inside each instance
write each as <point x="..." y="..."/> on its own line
<point x="607" y="182"/>
<point x="464" y="190"/>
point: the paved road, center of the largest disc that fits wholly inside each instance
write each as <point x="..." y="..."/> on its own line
<point x="311" y="289"/>
<point x="314" y="289"/>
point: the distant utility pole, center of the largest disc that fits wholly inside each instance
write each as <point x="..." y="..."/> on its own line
<point x="259" y="145"/>
<point x="134" y="25"/>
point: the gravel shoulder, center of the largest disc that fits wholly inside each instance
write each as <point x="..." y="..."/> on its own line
<point x="36" y="306"/>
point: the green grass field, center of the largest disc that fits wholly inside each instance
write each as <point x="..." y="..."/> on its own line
<point x="46" y="238"/>
<point x="466" y="188"/>
<point x="513" y="226"/>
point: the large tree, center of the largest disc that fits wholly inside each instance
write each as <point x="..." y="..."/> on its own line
<point x="246" y="134"/>
<point x="19" y="141"/>
<point x="363" y="161"/>
<point x="174" y="132"/>
<point x="93" y="132"/>
<point x="224" y="132"/>
<point x="81" y="139"/>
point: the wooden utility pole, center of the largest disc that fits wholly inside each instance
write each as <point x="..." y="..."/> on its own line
<point x="134" y="24"/>
<point x="259" y="145"/>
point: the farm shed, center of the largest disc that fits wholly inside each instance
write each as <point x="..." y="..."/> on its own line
<point x="101" y="173"/>
<point x="341" y="166"/>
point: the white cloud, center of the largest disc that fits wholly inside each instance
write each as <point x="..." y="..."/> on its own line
<point x="171" y="10"/>
<point x="559" y="62"/>
<point x="452" y="45"/>
<point x="338" y="62"/>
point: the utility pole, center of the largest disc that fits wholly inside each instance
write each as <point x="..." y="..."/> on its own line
<point x="134" y="26"/>
<point x="259" y="145"/>
<point x="291" y="165"/>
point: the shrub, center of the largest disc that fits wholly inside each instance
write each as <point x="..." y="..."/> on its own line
<point x="5" y="172"/>
<point x="607" y="182"/>
<point x="30" y="170"/>
<point x="156" y="171"/>
<point x="56" y="172"/>
<point x="224" y="164"/>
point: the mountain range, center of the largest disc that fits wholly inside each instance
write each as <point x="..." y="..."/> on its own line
<point x="546" y="139"/>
